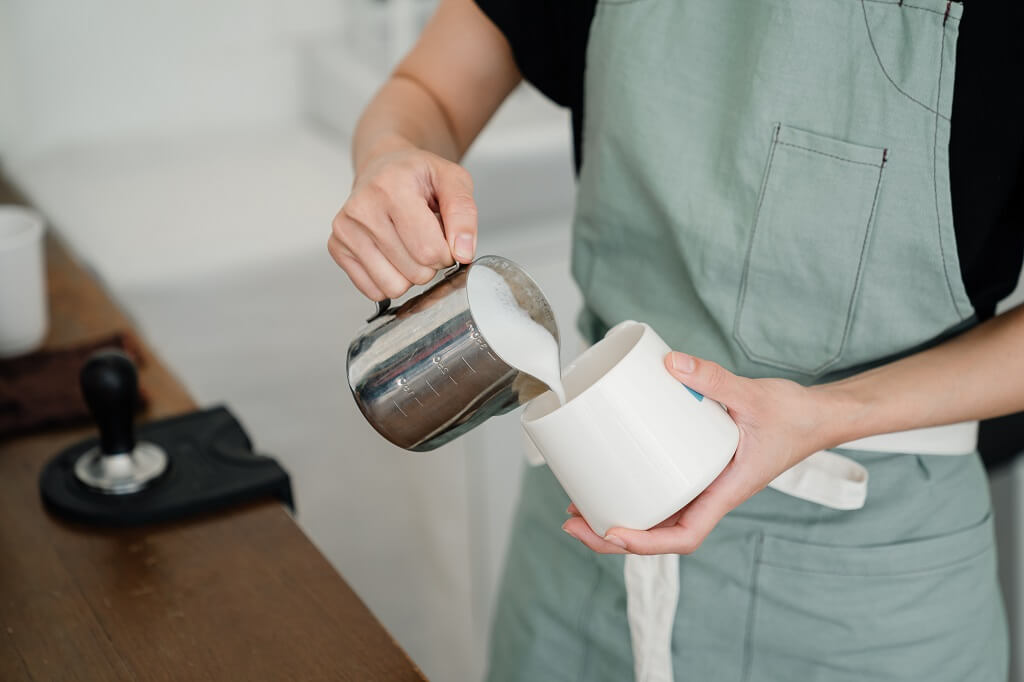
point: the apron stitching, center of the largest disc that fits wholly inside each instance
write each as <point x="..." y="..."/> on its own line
<point x="748" y="644"/>
<point x="935" y="176"/>
<point x="926" y="472"/>
<point x="903" y="4"/>
<point x="584" y="619"/>
<point x="860" y="261"/>
<point x="831" y="156"/>
<point x="881" y="574"/>
<point x="878" y="58"/>
<point x="856" y="282"/>
<point x="741" y="297"/>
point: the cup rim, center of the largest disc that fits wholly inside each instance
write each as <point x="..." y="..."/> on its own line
<point x="33" y="226"/>
<point x="614" y="331"/>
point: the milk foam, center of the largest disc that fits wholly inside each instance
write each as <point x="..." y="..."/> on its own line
<point x="516" y="337"/>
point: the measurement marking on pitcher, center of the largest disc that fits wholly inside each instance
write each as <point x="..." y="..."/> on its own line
<point x="469" y="365"/>
<point x="443" y="369"/>
<point x="474" y="334"/>
<point x="404" y="383"/>
<point x="399" y="408"/>
<point x="432" y="388"/>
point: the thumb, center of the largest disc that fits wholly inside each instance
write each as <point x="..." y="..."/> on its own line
<point x="707" y="378"/>
<point x="454" y="191"/>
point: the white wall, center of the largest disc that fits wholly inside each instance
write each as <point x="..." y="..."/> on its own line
<point x="7" y="70"/>
<point x="74" y="72"/>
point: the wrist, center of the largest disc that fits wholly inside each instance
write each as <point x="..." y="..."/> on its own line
<point x="845" y="414"/>
<point x="381" y="145"/>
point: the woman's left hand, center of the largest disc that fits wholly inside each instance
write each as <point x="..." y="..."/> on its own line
<point x="780" y="423"/>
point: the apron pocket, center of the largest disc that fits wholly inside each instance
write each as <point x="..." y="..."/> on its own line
<point x="804" y="259"/>
<point x="921" y="610"/>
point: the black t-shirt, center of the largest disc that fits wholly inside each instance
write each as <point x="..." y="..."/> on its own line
<point x="986" y="148"/>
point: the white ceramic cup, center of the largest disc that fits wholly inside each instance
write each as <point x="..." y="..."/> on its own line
<point x="632" y="445"/>
<point x="23" y="313"/>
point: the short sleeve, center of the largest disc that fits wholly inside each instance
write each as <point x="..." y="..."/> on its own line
<point x="549" y="42"/>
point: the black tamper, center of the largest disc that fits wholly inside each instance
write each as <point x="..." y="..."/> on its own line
<point x="180" y="466"/>
<point x="119" y="465"/>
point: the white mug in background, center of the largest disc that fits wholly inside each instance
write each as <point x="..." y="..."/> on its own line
<point x="632" y="445"/>
<point x="23" y="312"/>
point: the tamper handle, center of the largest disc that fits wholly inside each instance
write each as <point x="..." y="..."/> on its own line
<point x="110" y="386"/>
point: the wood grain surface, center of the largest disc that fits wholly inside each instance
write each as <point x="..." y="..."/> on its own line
<point x="242" y="595"/>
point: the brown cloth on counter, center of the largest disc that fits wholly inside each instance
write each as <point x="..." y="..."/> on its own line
<point x="41" y="390"/>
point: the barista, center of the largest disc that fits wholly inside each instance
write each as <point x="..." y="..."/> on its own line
<point x="819" y="203"/>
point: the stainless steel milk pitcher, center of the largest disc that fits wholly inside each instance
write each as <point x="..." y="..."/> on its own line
<point x="423" y="373"/>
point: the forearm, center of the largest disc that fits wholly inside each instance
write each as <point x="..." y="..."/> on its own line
<point x="977" y="375"/>
<point x="444" y="91"/>
<point x="403" y="114"/>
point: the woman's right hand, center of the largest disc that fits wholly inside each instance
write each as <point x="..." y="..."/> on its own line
<point x="410" y="214"/>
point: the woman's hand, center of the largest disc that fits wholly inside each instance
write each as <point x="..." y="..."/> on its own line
<point x="411" y="211"/>
<point x="410" y="214"/>
<point x="780" y="423"/>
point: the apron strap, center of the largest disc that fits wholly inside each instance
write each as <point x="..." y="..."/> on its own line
<point x="827" y="479"/>
<point x="652" y="589"/>
<point x="949" y="439"/>
<point x="833" y="480"/>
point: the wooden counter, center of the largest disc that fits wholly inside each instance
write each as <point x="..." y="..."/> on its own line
<point x="242" y="595"/>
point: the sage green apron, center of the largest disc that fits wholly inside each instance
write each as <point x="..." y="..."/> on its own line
<point x="766" y="184"/>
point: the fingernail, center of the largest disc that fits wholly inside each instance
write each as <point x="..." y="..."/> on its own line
<point x="681" y="362"/>
<point x="569" y="532"/>
<point x="615" y="540"/>
<point x="464" y="244"/>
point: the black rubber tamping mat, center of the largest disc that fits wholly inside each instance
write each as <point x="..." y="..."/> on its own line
<point x="211" y="466"/>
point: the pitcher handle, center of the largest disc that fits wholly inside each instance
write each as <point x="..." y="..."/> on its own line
<point x="384" y="305"/>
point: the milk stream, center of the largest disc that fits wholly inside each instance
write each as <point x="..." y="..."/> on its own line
<point x="519" y="340"/>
